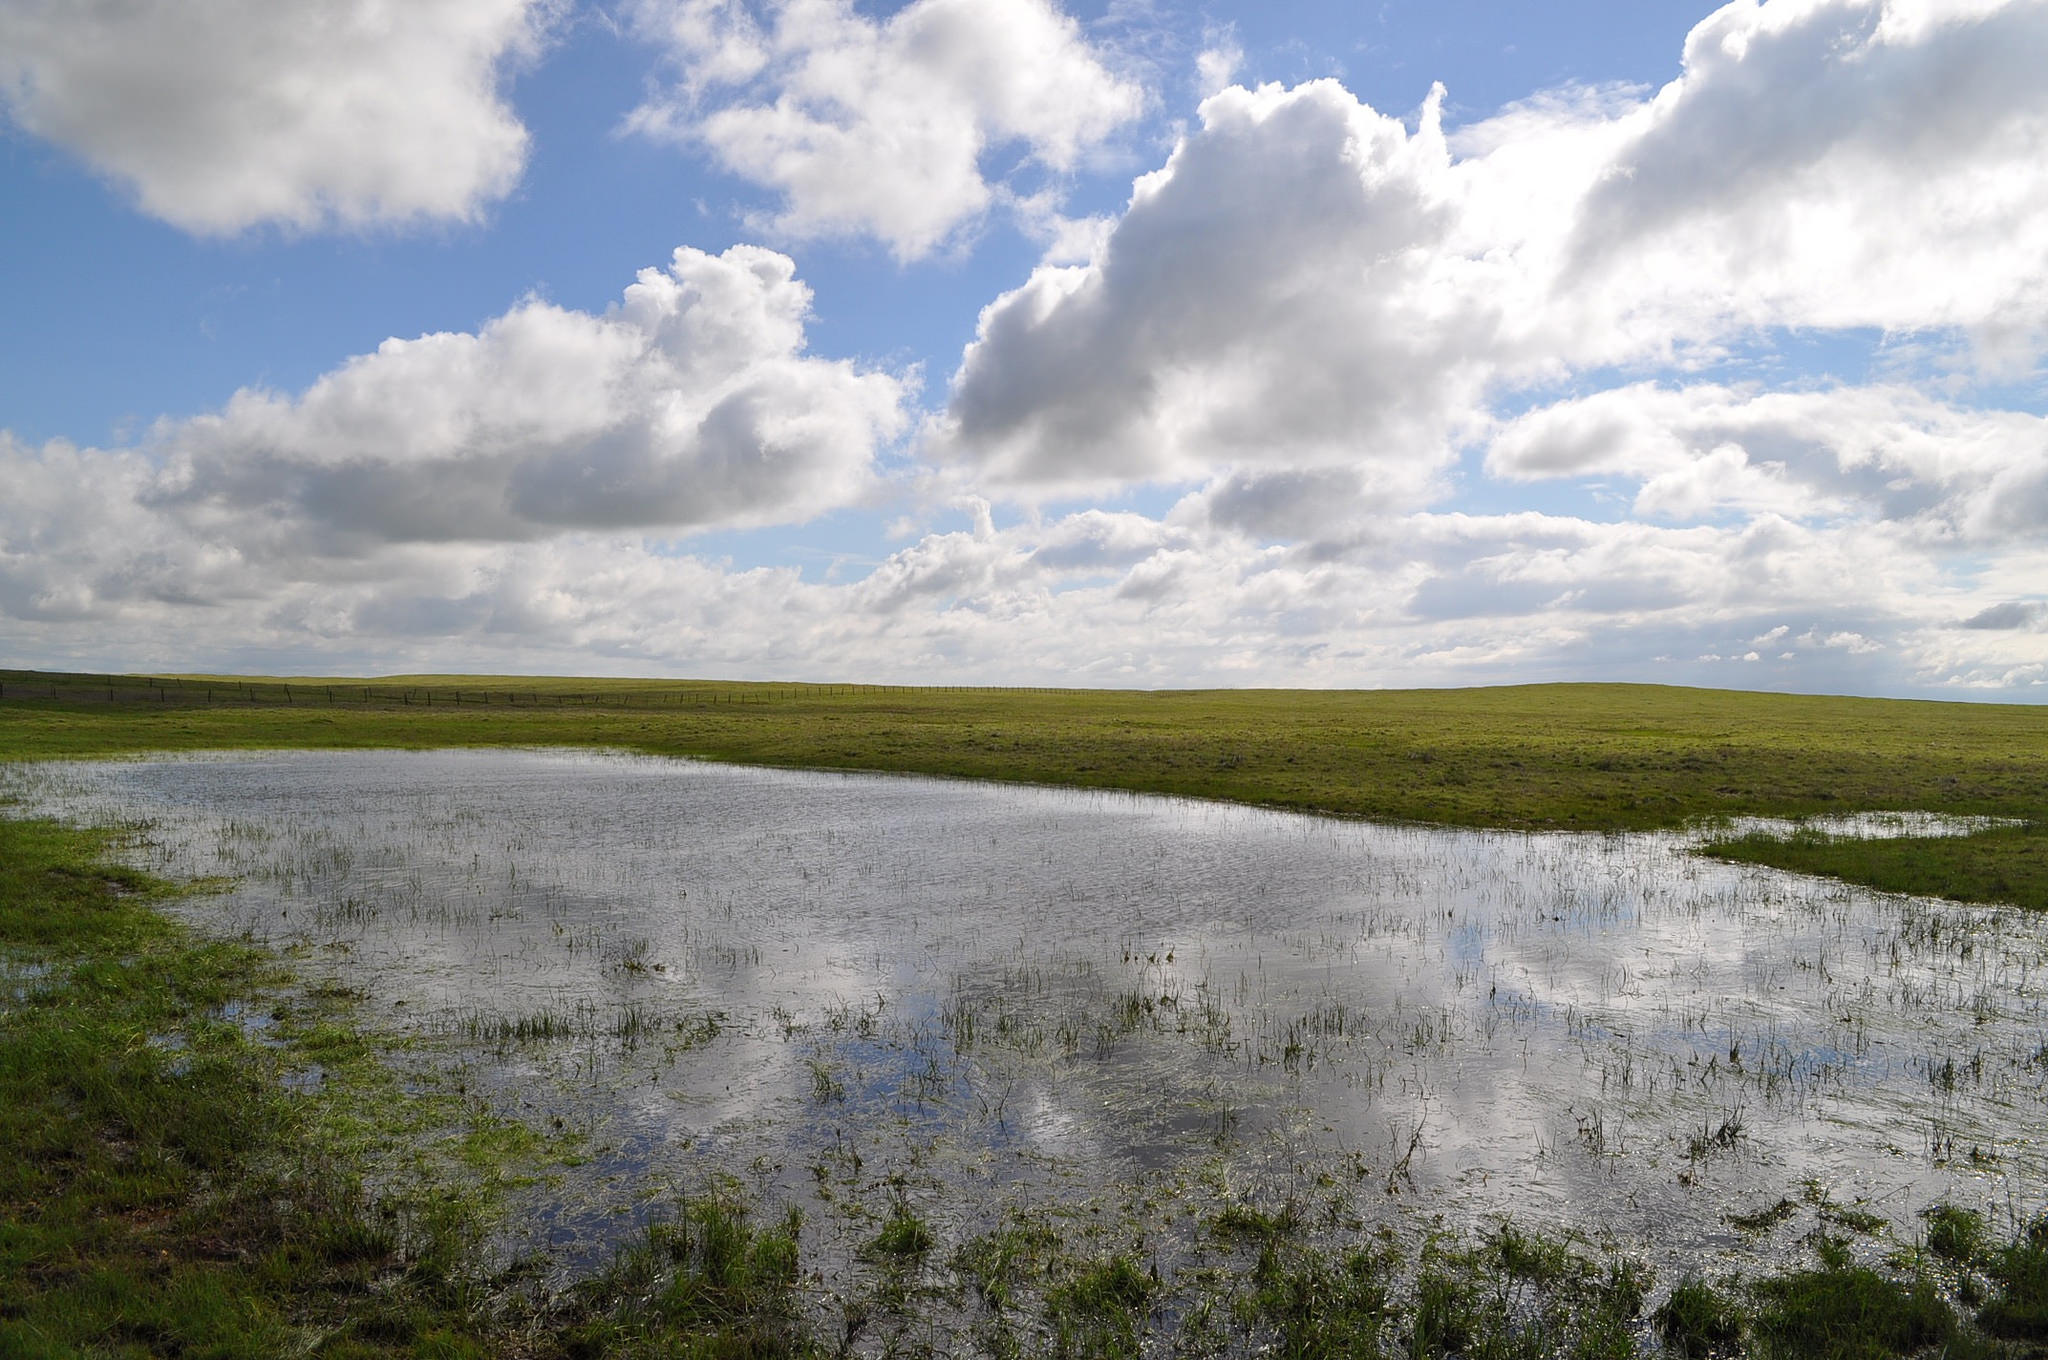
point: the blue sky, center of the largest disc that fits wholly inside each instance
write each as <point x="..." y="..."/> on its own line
<point x="989" y="340"/>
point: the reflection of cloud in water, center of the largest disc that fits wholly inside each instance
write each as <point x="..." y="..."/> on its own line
<point x="1038" y="989"/>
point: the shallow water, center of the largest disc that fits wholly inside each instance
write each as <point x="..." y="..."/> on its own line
<point x="848" y="989"/>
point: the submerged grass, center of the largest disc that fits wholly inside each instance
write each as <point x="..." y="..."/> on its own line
<point x="166" y="1193"/>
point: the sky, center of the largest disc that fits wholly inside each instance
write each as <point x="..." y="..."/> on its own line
<point x="1130" y="343"/>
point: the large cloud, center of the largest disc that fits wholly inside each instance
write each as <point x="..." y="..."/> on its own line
<point x="1309" y="313"/>
<point x="880" y="127"/>
<point x="689" y="404"/>
<point x="230" y="113"/>
<point x="405" y="473"/>
<point x="1274" y="295"/>
<point x="1306" y="281"/>
<point x="1834" y="163"/>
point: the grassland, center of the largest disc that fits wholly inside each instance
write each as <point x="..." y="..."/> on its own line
<point x="169" y="1188"/>
<point x="1571" y="757"/>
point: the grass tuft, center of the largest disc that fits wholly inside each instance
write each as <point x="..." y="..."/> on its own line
<point x="1848" y="1312"/>
<point x="904" y="1234"/>
<point x="1955" y="1235"/>
<point x="2020" y="1311"/>
<point x="1699" y="1320"/>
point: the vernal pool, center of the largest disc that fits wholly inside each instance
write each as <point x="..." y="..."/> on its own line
<point x="856" y="991"/>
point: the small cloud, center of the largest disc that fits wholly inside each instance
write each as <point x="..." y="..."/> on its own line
<point x="1217" y="66"/>
<point x="2003" y="617"/>
<point x="1853" y="643"/>
<point x="878" y="126"/>
<point x="1067" y="240"/>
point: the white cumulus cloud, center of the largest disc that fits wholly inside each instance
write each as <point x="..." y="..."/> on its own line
<point x="1835" y="163"/>
<point x="1307" y="281"/>
<point x="1274" y="295"/>
<point x="1890" y="452"/>
<point x="881" y="127"/>
<point x="690" y="403"/>
<point x="225" y="114"/>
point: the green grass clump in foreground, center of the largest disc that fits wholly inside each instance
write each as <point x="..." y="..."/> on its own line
<point x="132" y="1124"/>
<point x="161" y="1192"/>
<point x="1847" y="1312"/>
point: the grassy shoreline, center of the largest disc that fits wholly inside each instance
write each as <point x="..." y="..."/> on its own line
<point x="2006" y="865"/>
<point x="1537" y="757"/>
<point x="169" y="1188"/>
<point x="1572" y="757"/>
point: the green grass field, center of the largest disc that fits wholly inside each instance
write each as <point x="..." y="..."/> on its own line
<point x="164" y="1192"/>
<point x="1575" y="757"/>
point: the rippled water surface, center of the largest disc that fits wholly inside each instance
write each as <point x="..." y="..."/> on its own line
<point x="848" y="988"/>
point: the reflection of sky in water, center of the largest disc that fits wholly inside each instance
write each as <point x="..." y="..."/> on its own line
<point x="992" y="992"/>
